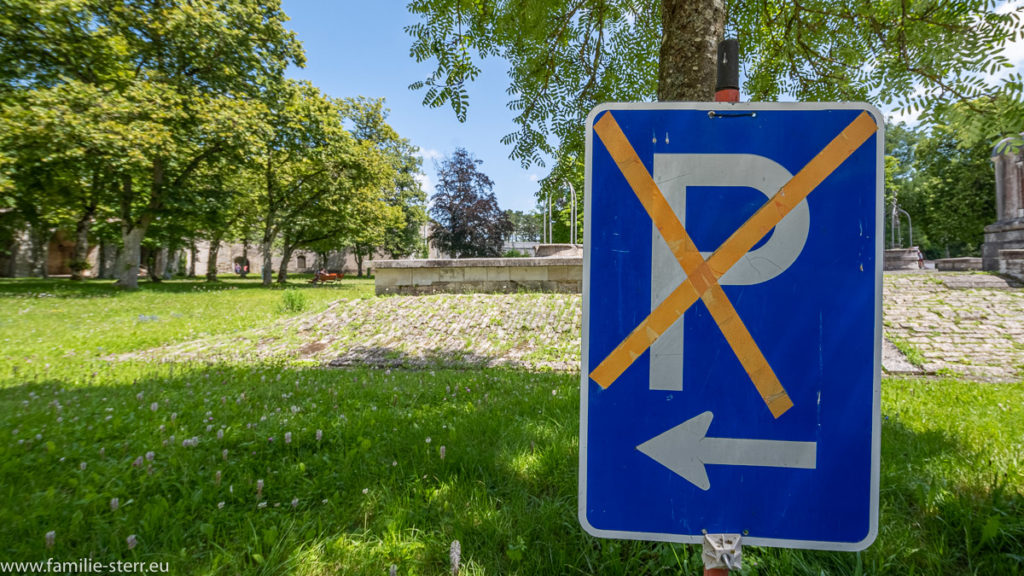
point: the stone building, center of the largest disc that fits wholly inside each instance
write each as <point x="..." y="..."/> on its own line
<point x="25" y="253"/>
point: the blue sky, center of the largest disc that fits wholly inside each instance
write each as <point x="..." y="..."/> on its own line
<point x="361" y="49"/>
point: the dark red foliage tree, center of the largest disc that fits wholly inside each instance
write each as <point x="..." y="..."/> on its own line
<point x="468" y="222"/>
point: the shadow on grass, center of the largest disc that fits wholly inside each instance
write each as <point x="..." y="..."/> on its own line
<point x="408" y="461"/>
<point x="442" y="358"/>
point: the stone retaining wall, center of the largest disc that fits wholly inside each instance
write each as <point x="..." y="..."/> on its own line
<point x="550" y="274"/>
<point x="958" y="264"/>
<point x="1001" y="237"/>
<point x="1011" y="263"/>
<point x="901" y="259"/>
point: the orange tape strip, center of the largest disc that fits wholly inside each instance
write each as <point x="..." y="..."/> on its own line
<point x="735" y="247"/>
<point x="703" y="281"/>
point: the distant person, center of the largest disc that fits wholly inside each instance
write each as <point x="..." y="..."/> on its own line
<point x="238" y="269"/>
<point x="920" y="259"/>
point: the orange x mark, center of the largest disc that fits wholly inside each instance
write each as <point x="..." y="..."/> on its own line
<point x="702" y="275"/>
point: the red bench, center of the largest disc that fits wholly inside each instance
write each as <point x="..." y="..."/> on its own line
<point x="324" y="277"/>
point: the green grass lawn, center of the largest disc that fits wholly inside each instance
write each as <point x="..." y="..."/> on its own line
<point x="287" y="469"/>
<point x="47" y="320"/>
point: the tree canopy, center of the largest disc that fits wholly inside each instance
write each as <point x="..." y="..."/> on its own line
<point x="174" y="120"/>
<point x="566" y="56"/>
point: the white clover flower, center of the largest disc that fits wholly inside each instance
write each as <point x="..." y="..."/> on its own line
<point x="51" y="538"/>
<point x="154" y="406"/>
<point x="319" y="435"/>
<point x="82" y="466"/>
<point x="132" y="541"/>
<point x="150" y="455"/>
<point x="295" y="502"/>
<point x="137" y="462"/>
<point x="442" y="452"/>
<point x="113" y="504"/>
<point x="287" y="437"/>
<point x="224" y="454"/>
<point x="259" y="486"/>
<point x="366" y="490"/>
<point x="220" y="505"/>
<point x="217" y="477"/>
<point x="139" y="396"/>
<point x="261" y="505"/>
<point x="220" y="434"/>
<point x="455" y="556"/>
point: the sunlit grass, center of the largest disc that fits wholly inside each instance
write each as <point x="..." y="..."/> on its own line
<point x="372" y="490"/>
<point x="57" y="319"/>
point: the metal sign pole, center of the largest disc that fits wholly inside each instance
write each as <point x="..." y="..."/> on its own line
<point x="722" y="554"/>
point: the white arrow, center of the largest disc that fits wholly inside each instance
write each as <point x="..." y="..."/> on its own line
<point x="685" y="450"/>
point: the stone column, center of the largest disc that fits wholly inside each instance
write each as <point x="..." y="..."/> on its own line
<point x="1007" y="232"/>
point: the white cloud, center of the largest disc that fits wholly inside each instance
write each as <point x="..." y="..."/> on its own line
<point x="1008" y="7"/>
<point x="534" y="178"/>
<point x="1012" y="51"/>
<point x="429" y="154"/>
<point x="424" y="181"/>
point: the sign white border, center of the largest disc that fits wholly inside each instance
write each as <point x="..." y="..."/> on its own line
<point x="876" y="425"/>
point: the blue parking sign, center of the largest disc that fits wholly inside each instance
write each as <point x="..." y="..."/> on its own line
<point x="732" y="323"/>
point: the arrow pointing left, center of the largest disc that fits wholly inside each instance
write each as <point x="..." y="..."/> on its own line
<point x="686" y="449"/>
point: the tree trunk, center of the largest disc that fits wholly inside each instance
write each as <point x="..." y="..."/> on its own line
<point x="41" y="251"/>
<point x="194" y="254"/>
<point x="101" y="260"/>
<point x="155" y="263"/>
<point x="359" y="263"/>
<point x="211" y="260"/>
<point x="282" y="272"/>
<point x="173" y="265"/>
<point x="131" y="252"/>
<point x="161" y="262"/>
<point x="689" y="49"/>
<point x="267" y="272"/>
<point x="245" y="258"/>
<point x="80" y="252"/>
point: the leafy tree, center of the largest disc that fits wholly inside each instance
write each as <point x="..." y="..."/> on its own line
<point x="566" y="56"/>
<point x="469" y="222"/>
<point x="902" y="182"/>
<point x="175" y="83"/>
<point x="957" y="185"/>
<point x="526" y="226"/>
<point x="319" y="185"/>
<point x="402" y="237"/>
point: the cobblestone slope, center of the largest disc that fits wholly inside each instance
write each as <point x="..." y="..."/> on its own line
<point x="964" y="324"/>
